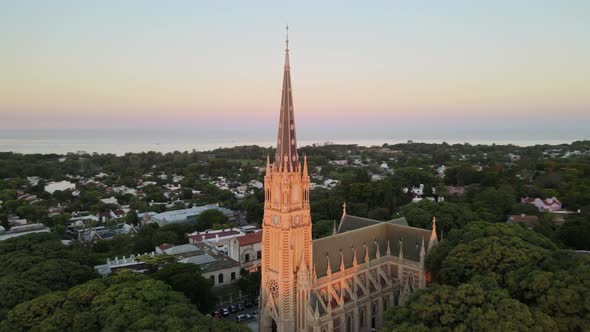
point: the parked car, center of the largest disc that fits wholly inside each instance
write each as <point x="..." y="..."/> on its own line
<point x="225" y="312"/>
<point x="240" y="307"/>
<point x="232" y="308"/>
<point x="243" y="317"/>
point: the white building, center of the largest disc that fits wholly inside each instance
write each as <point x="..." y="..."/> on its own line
<point x="247" y="250"/>
<point x="220" y="269"/>
<point x="52" y="187"/>
<point x="22" y="230"/>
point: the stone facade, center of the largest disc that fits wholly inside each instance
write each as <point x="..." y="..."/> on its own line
<point x="343" y="282"/>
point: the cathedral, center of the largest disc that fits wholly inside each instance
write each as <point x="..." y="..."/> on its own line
<point x="343" y="282"/>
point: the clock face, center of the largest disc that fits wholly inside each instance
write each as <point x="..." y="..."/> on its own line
<point x="296" y="220"/>
<point x="276" y="219"/>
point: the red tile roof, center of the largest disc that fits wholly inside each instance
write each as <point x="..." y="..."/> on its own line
<point x="250" y="238"/>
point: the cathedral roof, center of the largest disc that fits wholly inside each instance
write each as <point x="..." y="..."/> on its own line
<point x="349" y="223"/>
<point x="367" y="238"/>
<point x="286" y="155"/>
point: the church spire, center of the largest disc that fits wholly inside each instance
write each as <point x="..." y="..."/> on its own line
<point x="287" y="157"/>
<point x="433" y="238"/>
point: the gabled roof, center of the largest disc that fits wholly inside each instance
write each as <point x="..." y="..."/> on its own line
<point x="349" y="223"/>
<point x="365" y="239"/>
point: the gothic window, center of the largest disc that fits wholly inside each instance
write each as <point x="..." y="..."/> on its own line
<point x="233" y="276"/>
<point x="247" y="258"/>
<point x="362" y="317"/>
<point x="220" y="278"/>
<point x="212" y="279"/>
<point x="259" y="254"/>
<point x="349" y="323"/>
<point x="373" y="314"/>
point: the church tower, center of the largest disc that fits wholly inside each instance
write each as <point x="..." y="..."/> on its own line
<point x="286" y="227"/>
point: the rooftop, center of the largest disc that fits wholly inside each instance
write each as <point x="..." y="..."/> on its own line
<point x="250" y="238"/>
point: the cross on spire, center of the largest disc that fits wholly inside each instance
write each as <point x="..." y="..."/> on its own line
<point x="287" y="38"/>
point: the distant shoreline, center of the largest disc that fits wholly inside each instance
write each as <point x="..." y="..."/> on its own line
<point x="121" y="148"/>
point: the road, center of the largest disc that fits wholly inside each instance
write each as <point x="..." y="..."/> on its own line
<point x="252" y="324"/>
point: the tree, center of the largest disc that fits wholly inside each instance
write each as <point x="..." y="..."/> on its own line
<point x="209" y="217"/>
<point x="574" y="233"/>
<point x="132" y="218"/>
<point x="322" y="228"/>
<point x="468" y="307"/>
<point x="448" y="215"/>
<point x="249" y="283"/>
<point x="187" y="278"/>
<point x="523" y="262"/>
<point x="37" y="263"/>
<point x="123" y="302"/>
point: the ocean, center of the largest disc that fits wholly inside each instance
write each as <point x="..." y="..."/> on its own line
<point x="121" y="141"/>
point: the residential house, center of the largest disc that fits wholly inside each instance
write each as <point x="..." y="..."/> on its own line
<point x="547" y="204"/>
<point x="527" y="221"/>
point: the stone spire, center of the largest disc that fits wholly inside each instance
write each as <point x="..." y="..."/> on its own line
<point x="433" y="237"/>
<point x="287" y="158"/>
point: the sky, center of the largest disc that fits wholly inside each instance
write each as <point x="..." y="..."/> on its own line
<point x="358" y="67"/>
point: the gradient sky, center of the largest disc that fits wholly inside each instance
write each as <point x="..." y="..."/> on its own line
<point x="360" y="65"/>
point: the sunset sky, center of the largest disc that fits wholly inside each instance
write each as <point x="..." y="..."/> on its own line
<point x="359" y="65"/>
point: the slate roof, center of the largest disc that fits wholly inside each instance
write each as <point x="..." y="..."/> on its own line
<point x="349" y="223"/>
<point x="364" y="238"/>
<point x="286" y="153"/>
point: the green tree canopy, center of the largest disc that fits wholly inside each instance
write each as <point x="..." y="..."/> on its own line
<point x="187" y="278"/>
<point x="468" y="307"/>
<point x="123" y="302"/>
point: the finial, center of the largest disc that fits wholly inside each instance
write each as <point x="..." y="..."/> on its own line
<point x="422" y="250"/>
<point x="433" y="237"/>
<point x="344" y="208"/>
<point x="377" y="251"/>
<point x="316" y="313"/>
<point x="342" y="268"/>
